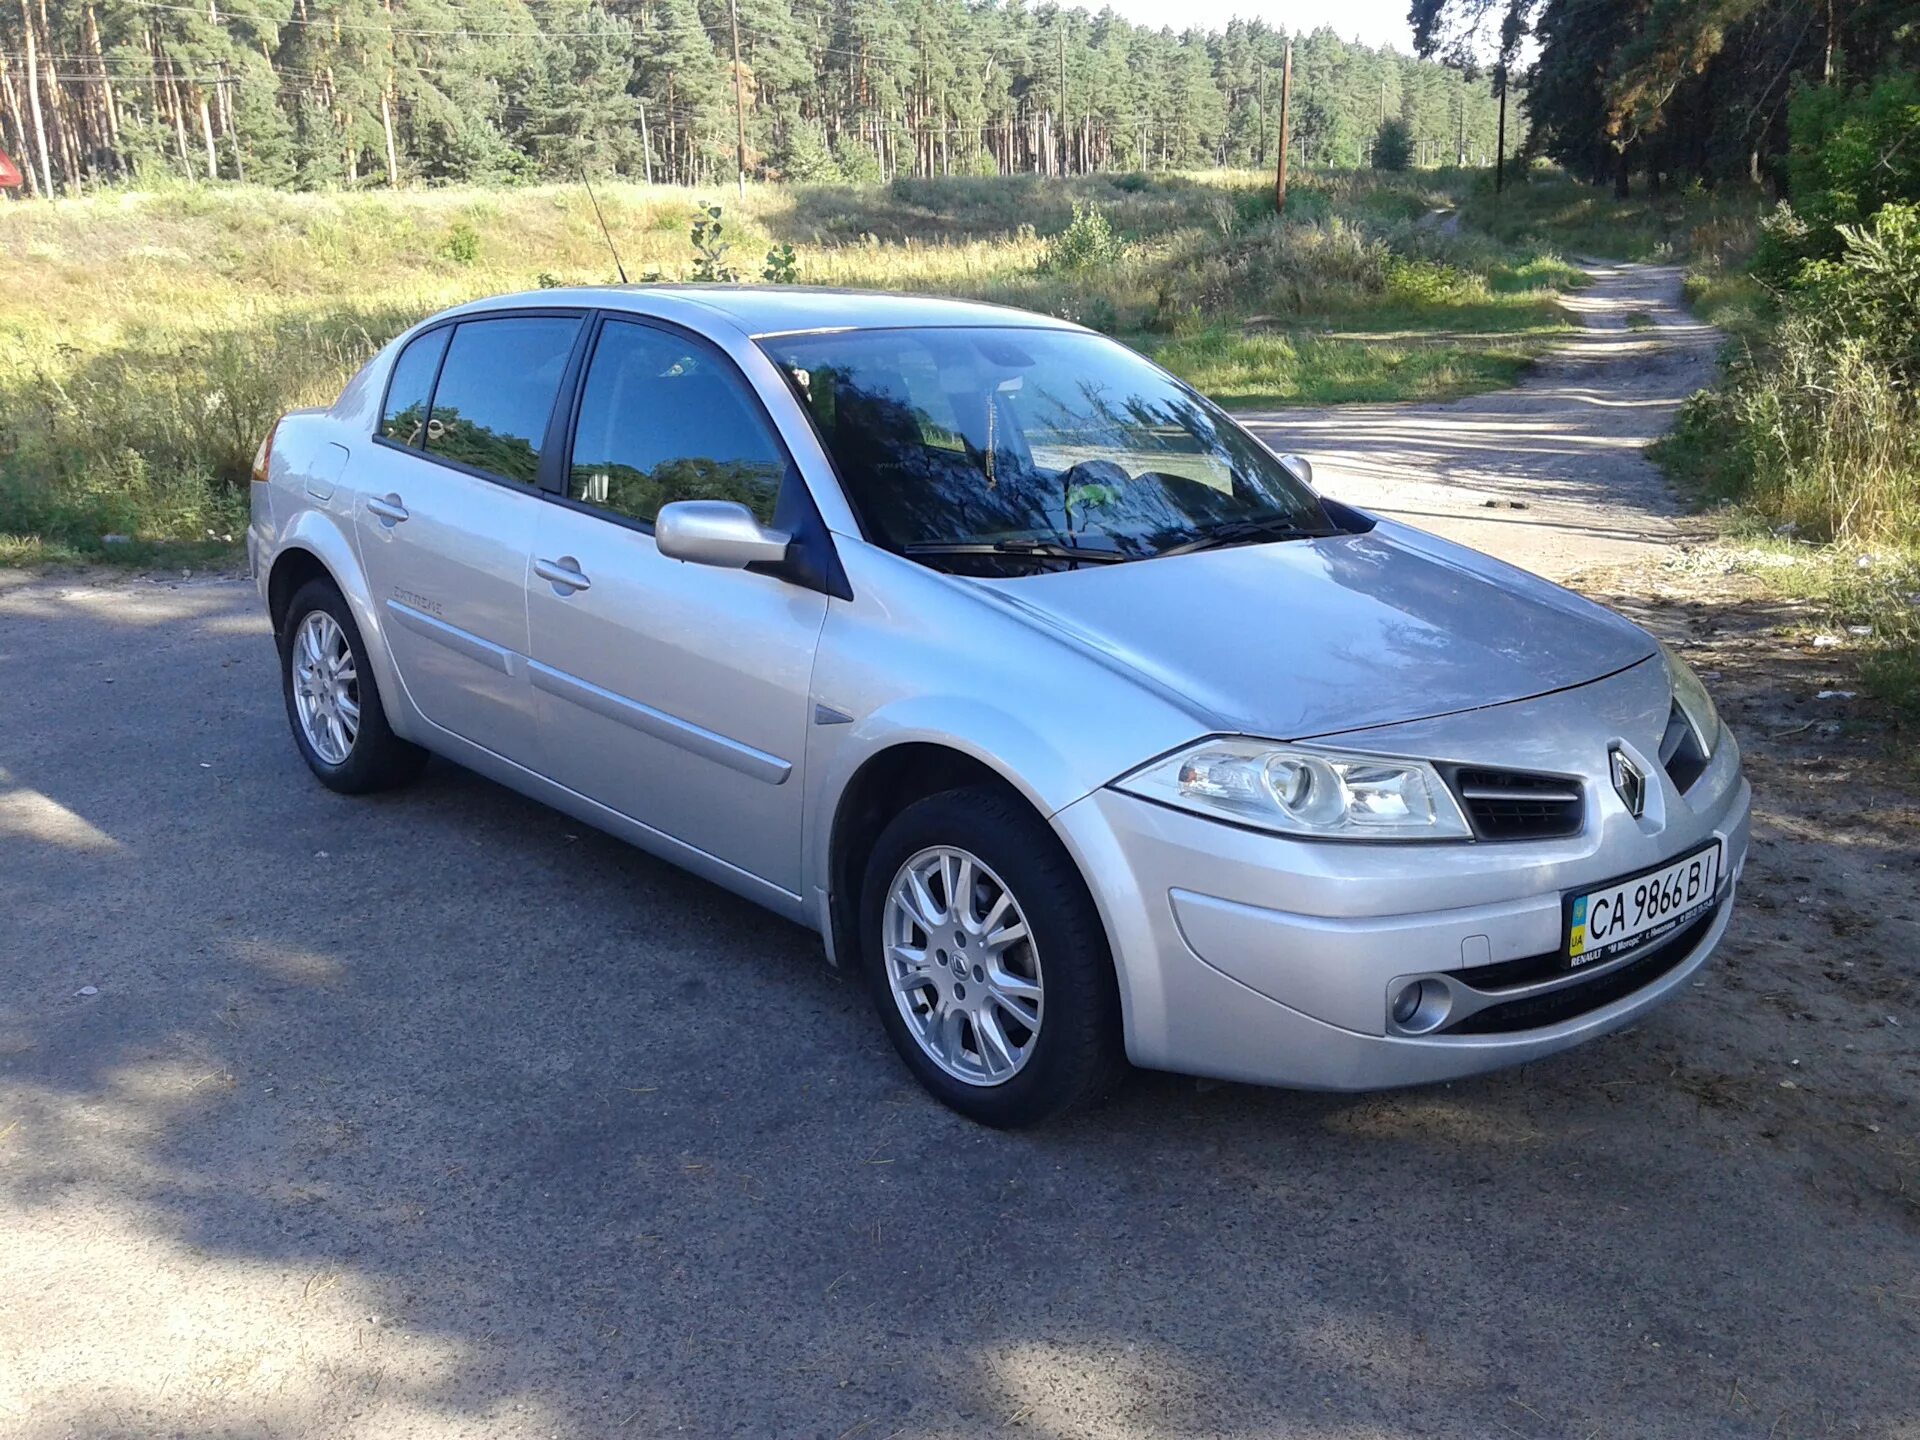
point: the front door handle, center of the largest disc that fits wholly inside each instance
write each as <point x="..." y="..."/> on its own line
<point x="389" y="509"/>
<point x="564" y="574"/>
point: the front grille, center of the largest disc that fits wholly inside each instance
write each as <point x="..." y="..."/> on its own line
<point x="1680" y="751"/>
<point x="1516" y="805"/>
<point x="1534" y="1012"/>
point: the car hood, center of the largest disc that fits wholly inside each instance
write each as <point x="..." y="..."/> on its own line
<point x="1313" y="637"/>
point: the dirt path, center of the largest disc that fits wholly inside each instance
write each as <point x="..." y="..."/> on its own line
<point x="1550" y="474"/>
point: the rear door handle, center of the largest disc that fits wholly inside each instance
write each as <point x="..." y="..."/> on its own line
<point x="564" y="573"/>
<point x="388" y="509"/>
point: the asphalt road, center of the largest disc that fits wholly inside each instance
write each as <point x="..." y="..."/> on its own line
<point x="437" y="1115"/>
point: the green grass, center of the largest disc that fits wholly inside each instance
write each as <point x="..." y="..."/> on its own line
<point x="1267" y="369"/>
<point x="1732" y="300"/>
<point x="148" y="340"/>
<point x="35" y="552"/>
<point x="1437" y="328"/>
<point x="1547" y="207"/>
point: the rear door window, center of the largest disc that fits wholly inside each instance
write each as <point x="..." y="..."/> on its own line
<point x="496" y="392"/>
<point x="404" y="420"/>
<point x="665" y="418"/>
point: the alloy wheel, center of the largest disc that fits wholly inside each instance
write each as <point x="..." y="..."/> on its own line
<point x="962" y="966"/>
<point x="326" y="687"/>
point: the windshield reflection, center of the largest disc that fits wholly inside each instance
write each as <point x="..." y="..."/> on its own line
<point x="992" y="451"/>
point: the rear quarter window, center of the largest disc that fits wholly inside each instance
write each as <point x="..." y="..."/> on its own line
<point x="404" y="418"/>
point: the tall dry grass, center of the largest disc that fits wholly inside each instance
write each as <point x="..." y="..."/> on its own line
<point x="148" y="340"/>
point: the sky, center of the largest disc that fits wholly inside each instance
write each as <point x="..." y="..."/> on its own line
<point x="1376" y="22"/>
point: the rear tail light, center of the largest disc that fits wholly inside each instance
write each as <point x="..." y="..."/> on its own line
<point x="264" y="454"/>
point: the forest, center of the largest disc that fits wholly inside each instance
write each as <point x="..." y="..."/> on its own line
<point x="313" y="94"/>
<point x="1671" y="91"/>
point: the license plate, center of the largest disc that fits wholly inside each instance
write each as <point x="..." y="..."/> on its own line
<point x="1625" y="914"/>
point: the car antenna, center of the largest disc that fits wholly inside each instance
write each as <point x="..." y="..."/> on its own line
<point x="620" y="269"/>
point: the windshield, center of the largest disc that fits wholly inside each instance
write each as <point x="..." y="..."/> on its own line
<point x="991" y="451"/>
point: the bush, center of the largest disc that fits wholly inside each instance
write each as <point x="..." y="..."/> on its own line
<point x="1785" y="242"/>
<point x="1822" y="430"/>
<point x="782" y="267"/>
<point x="710" y="247"/>
<point x="1428" y="282"/>
<point x="1872" y="293"/>
<point x="1088" y="242"/>
<point x="462" y="245"/>
<point x="1275" y="269"/>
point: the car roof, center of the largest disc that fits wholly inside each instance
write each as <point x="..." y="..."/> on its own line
<point x="762" y="310"/>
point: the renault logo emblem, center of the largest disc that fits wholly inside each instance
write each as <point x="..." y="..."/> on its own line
<point x="1631" y="784"/>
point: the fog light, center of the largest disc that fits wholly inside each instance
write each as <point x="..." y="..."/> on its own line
<point x="1420" y="1006"/>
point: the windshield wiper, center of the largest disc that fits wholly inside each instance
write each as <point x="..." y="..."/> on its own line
<point x="1241" y="532"/>
<point x="1038" y="549"/>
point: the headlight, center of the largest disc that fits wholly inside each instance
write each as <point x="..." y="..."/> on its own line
<point x="1694" y="702"/>
<point x="1300" y="791"/>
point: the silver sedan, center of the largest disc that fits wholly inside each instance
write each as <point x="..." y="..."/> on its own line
<point x="1076" y="722"/>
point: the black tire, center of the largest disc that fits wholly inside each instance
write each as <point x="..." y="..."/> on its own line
<point x="378" y="759"/>
<point x="1078" y="1056"/>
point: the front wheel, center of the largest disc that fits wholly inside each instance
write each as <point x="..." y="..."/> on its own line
<point x="987" y="960"/>
<point x="333" y="702"/>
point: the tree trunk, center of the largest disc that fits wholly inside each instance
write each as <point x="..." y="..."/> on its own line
<point x="66" y="140"/>
<point x="386" y="126"/>
<point x="33" y="104"/>
<point x="206" y="132"/>
<point x="109" y="108"/>
<point x="63" y="137"/>
<point x="176" y="111"/>
<point x="1500" y="143"/>
<point x="17" y="127"/>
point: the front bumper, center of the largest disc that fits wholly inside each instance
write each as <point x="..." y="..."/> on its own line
<point x="1249" y="956"/>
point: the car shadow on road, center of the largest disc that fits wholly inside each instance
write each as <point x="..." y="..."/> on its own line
<point x="438" y="1114"/>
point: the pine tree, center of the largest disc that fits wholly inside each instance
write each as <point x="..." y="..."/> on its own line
<point x="323" y="93"/>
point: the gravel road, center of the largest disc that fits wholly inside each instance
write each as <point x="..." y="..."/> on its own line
<point x="436" y="1115"/>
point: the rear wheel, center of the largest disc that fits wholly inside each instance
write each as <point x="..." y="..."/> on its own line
<point x="333" y="701"/>
<point x="987" y="960"/>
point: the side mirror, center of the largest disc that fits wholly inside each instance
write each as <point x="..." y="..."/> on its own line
<point x="717" y="532"/>
<point x="1299" y="467"/>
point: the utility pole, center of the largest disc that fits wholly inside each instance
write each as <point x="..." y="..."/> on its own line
<point x="1500" y="145"/>
<point x="646" y="148"/>
<point x="739" y="98"/>
<point x="1286" y="102"/>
